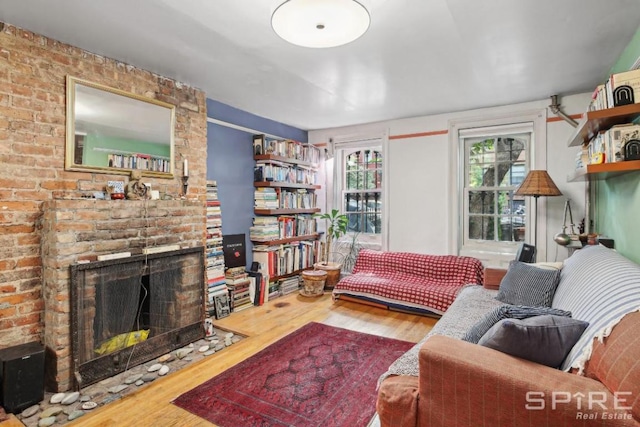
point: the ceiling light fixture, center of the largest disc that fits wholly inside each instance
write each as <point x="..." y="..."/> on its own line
<point x="319" y="24"/>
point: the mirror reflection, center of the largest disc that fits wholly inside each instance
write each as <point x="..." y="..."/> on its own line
<point x="113" y="131"/>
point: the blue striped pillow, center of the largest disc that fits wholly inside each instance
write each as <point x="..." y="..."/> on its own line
<point x="527" y="285"/>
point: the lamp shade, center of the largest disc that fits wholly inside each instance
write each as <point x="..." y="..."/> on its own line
<point x="320" y="24"/>
<point x="538" y="183"/>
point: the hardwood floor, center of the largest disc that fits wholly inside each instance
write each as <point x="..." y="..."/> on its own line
<point x="150" y="406"/>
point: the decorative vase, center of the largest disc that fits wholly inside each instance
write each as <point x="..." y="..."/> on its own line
<point x="313" y="283"/>
<point x="333" y="273"/>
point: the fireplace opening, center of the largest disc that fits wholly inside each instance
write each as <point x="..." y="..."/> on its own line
<point x="131" y="310"/>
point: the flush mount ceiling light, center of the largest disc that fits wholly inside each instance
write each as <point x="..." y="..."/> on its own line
<point x="320" y="23"/>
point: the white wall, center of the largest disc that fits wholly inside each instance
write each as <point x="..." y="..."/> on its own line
<point x="418" y="169"/>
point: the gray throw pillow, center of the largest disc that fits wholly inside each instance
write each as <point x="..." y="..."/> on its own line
<point x="476" y="332"/>
<point x="542" y="339"/>
<point x="525" y="284"/>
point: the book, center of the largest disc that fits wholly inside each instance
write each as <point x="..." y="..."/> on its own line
<point x="623" y="88"/>
<point x="233" y="247"/>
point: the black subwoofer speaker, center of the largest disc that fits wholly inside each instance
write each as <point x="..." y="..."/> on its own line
<point x="21" y="376"/>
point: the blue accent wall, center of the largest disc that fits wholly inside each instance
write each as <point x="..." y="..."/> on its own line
<point x="218" y="110"/>
<point x="230" y="163"/>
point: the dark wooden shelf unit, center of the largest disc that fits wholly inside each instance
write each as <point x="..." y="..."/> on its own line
<point x="284" y="276"/>
<point x="285" y="211"/>
<point x="284" y="160"/>
<point x="593" y="122"/>
<point x="287" y="239"/>
<point x="282" y="184"/>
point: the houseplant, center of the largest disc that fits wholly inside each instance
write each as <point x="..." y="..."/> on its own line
<point x="336" y="228"/>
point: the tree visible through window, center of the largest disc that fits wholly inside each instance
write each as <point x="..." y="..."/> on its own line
<point x="362" y="191"/>
<point x="495" y="167"/>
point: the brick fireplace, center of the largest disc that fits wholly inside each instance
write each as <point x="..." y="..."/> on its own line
<point x="78" y="230"/>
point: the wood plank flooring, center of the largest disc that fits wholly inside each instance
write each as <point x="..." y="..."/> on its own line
<point x="150" y="406"/>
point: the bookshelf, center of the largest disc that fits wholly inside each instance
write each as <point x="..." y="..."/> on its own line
<point x="604" y="170"/>
<point x="595" y="121"/>
<point x="217" y="291"/>
<point x="284" y="236"/>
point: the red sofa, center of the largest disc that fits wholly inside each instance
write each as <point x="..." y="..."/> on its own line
<point x="444" y="381"/>
<point x="420" y="283"/>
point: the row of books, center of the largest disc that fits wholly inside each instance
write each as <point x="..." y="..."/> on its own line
<point x="285" y="148"/>
<point x="287" y="258"/>
<point x="139" y="161"/>
<point x="217" y="291"/>
<point x="619" y="89"/>
<point x="267" y="228"/>
<point x="266" y="170"/>
<point x="275" y="198"/>
<point x="608" y="146"/>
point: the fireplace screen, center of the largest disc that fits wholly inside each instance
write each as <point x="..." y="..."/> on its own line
<point x="131" y="310"/>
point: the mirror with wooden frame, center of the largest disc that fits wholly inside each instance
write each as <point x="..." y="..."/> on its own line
<point x="113" y="131"/>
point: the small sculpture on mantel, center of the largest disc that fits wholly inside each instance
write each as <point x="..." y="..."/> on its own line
<point x="136" y="189"/>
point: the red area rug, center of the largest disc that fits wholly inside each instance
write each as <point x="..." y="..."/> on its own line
<point x="318" y="375"/>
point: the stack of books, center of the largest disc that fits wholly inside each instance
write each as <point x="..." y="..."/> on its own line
<point x="216" y="287"/>
<point x="289" y="285"/>
<point x="264" y="228"/>
<point x="238" y="282"/>
<point x="266" y="198"/>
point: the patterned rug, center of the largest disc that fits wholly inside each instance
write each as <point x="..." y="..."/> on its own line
<point x="318" y="375"/>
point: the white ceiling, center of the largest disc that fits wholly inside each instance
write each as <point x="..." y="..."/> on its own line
<point x="419" y="57"/>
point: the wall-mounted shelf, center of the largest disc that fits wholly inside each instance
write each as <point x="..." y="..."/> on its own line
<point x="285" y="211"/>
<point x="284" y="276"/>
<point x="593" y="122"/>
<point x="284" y="160"/>
<point x="282" y="184"/>
<point x="287" y="239"/>
<point x="604" y="170"/>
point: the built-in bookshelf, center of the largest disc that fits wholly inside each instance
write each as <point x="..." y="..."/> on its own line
<point x="284" y="232"/>
<point x="218" y="303"/>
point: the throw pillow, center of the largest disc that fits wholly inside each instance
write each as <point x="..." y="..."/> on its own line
<point x="542" y="339"/>
<point x="476" y="332"/>
<point x="525" y="284"/>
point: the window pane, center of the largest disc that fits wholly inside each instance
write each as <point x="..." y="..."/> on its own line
<point x="510" y="148"/>
<point x="481" y="202"/>
<point x="513" y="218"/>
<point x="354" y="180"/>
<point x="373" y="179"/>
<point x="481" y="227"/>
<point x="352" y="161"/>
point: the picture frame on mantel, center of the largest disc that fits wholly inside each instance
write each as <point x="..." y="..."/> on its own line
<point x="116" y="132"/>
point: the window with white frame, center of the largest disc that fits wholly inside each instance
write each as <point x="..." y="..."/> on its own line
<point x="494" y="167"/>
<point x="358" y="166"/>
<point x="362" y="189"/>
<point x="496" y="160"/>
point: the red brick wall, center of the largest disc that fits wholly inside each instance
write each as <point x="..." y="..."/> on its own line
<point x="33" y="70"/>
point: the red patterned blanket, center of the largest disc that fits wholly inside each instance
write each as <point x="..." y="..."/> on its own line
<point x="418" y="282"/>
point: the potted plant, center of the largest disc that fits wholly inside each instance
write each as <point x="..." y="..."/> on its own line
<point x="336" y="228"/>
